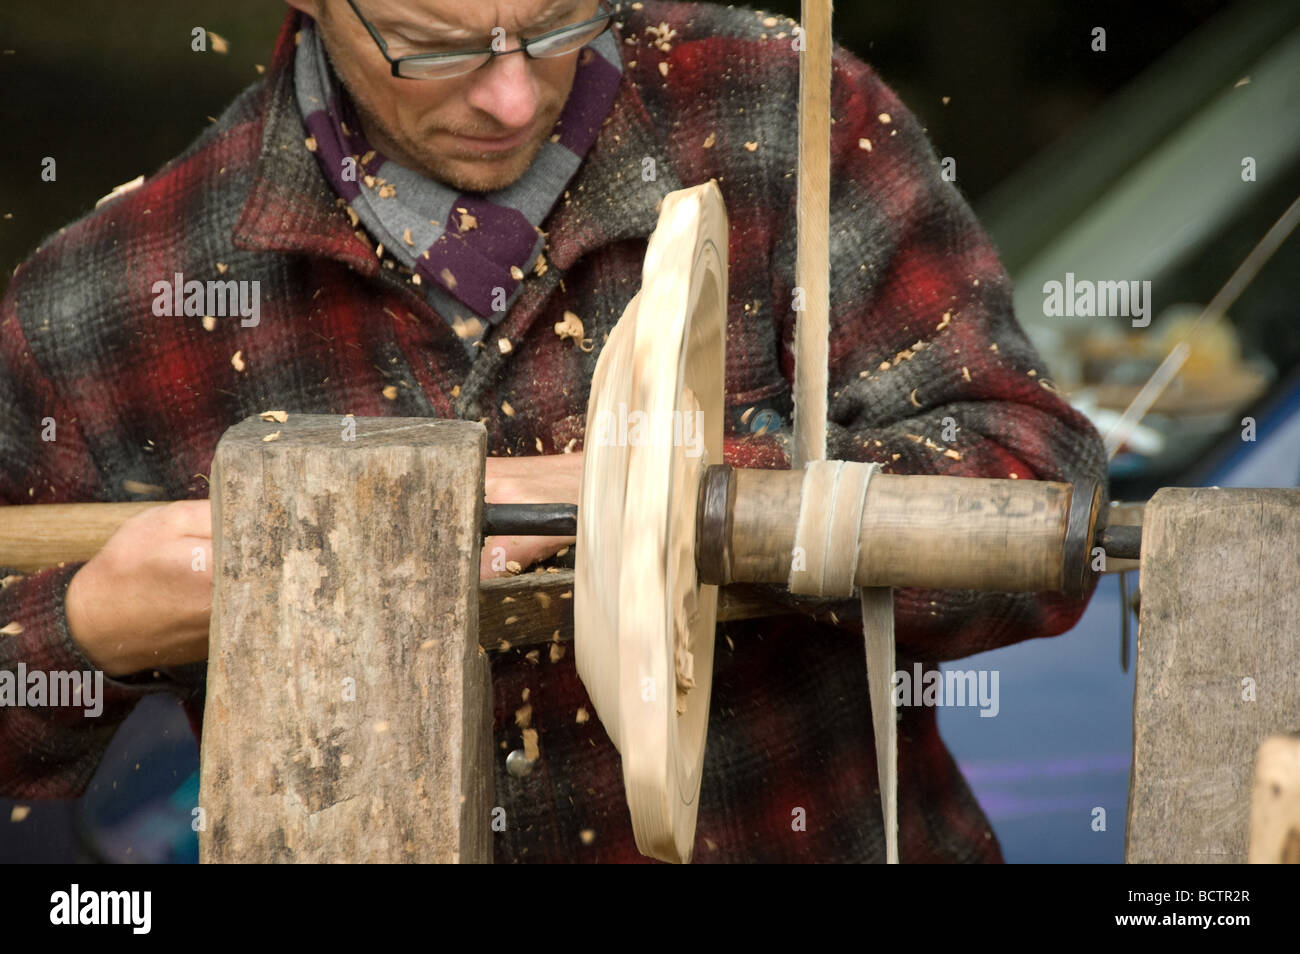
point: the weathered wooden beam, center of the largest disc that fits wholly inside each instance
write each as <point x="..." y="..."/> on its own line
<point x="1217" y="667"/>
<point x="349" y="706"/>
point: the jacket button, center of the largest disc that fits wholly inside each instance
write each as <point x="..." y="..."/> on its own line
<point x="517" y="764"/>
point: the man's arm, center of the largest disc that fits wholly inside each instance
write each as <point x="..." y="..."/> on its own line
<point x="46" y="751"/>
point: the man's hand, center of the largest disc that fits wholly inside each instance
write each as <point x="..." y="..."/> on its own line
<point x="554" y="478"/>
<point x="144" y="600"/>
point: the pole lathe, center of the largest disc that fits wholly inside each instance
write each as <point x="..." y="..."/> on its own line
<point x="659" y="530"/>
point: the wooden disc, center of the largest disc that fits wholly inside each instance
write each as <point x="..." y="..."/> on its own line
<point x="643" y="623"/>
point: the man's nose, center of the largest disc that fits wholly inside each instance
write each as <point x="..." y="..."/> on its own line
<point x="506" y="90"/>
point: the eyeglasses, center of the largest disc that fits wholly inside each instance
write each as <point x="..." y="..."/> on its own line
<point x="428" y="66"/>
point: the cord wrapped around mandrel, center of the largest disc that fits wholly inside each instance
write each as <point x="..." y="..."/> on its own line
<point x="934" y="532"/>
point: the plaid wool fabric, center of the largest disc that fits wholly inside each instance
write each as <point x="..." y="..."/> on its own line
<point x="922" y="330"/>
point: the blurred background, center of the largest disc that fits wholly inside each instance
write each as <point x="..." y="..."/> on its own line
<point x="1116" y="165"/>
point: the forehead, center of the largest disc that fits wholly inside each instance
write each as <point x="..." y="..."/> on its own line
<point x="458" y="17"/>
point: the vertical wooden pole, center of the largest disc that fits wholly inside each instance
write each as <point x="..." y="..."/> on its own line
<point x="812" y="271"/>
<point x="349" y="707"/>
<point x="1217" y="667"/>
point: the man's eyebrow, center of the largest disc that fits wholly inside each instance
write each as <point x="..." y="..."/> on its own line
<point x="433" y="28"/>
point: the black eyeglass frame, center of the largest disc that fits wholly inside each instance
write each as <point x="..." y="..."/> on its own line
<point x="524" y="43"/>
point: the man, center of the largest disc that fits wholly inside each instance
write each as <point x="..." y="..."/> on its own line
<point x="321" y="182"/>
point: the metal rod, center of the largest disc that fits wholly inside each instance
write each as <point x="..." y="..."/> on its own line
<point x="1122" y="543"/>
<point x="530" y="520"/>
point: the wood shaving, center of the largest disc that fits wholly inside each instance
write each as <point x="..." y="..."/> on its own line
<point x="504" y="345"/>
<point x="10" y="580"/>
<point x="524" y="715"/>
<point x="11" y="629"/>
<point x="406" y="237"/>
<point x="516" y="273"/>
<point x="751" y="146"/>
<point x="271" y="437"/>
<point x="503" y="645"/>
<point x="513" y="567"/>
<point x="523" y="696"/>
<point x="562" y="551"/>
<point x="955" y="455"/>
<point x="237" y="361"/>
<point x="379" y="250"/>
<point x="310" y="142"/>
<point x="947" y="320"/>
<point x="222" y="268"/>
<point x="209" y="323"/>
<point x="570" y="327"/>
<point x="534" y="657"/>
<point x="557" y="652"/>
<point x="587" y="836"/>
<point x="19" y="813"/>
<point x="511" y="620"/>
<point x="352" y="216"/>
<point x="448" y="279"/>
<point x="912" y="397"/>
<point x="769" y="22"/>
<point x="540" y="267"/>
<point x="467" y="221"/>
<point x="567" y="595"/>
<point x="965" y="373"/>
<point x="543" y="598"/>
<point x="663" y="67"/>
<point x="387" y="191"/>
<point x="582" y="716"/>
<point x="885" y="118"/>
<point x="455" y="390"/>
<point x="390" y="392"/>
<point x="219" y="43"/>
<point x="279" y="417"/>
<point x="506" y="409"/>
<point x="710" y="140"/>
<point x="864" y="144"/>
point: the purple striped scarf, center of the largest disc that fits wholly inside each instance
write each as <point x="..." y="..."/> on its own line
<point x="459" y="269"/>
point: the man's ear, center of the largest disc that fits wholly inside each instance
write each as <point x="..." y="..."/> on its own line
<point x="309" y="7"/>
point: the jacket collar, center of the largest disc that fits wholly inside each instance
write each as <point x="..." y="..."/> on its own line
<point x="291" y="208"/>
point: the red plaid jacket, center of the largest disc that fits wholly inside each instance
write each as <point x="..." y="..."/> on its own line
<point x="922" y="330"/>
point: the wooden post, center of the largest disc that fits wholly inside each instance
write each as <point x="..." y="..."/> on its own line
<point x="1275" y="806"/>
<point x="1217" y="667"/>
<point x="349" y="706"/>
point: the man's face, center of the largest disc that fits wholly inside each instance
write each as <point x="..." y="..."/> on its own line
<point x="478" y="132"/>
